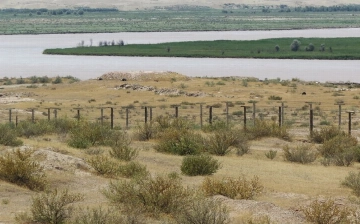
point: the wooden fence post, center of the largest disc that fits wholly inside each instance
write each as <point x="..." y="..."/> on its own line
<point x="146" y="114"/>
<point x="201" y="115"/>
<point x="244" y="116"/>
<point x="112" y="117"/>
<point x="32" y="115"/>
<point x="254" y="111"/>
<point x="350" y="114"/>
<point x="10" y="115"/>
<point x="227" y="113"/>
<point x="339" y="115"/>
<point x="210" y="115"/>
<point x="280" y="119"/>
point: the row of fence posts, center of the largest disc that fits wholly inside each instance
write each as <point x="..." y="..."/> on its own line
<point x="149" y="114"/>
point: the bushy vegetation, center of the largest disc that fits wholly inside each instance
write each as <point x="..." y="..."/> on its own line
<point x="264" y="128"/>
<point x="85" y="134"/>
<point x="300" y="154"/>
<point x="325" y="133"/>
<point x="194" y="165"/>
<point x="156" y="195"/>
<point x="146" y="131"/>
<point x="180" y="142"/>
<point x="220" y="142"/>
<point x="19" y="167"/>
<point x="53" y="207"/>
<point x="120" y="146"/>
<point x="340" y="150"/>
<point x="352" y="181"/>
<point x="202" y="210"/>
<point x="240" y="188"/>
<point x="271" y="154"/>
<point x="9" y="136"/>
<point x="109" y="167"/>
<point x="328" y="212"/>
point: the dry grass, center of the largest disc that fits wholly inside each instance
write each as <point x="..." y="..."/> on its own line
<point x="286" y="185"/>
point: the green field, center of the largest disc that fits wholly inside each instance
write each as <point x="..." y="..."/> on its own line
<point x="161" y="20"/>
<point x="334" y="48"/>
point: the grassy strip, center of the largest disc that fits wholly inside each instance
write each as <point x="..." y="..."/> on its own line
<point x="167" y="20"/>
<point x="335" y="48"/>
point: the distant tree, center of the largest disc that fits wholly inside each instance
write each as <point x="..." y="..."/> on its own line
<point x="38" y="13"/>
<point x="311" y="47"/>
<point x="113" y="43"/>
<point x="121" y="43"/>
<point x="57" y="80"/>
<point x="295" y="45"/>
<point x="100" y="43"/>
<point x="277" y="48"/>
<point x="322" y="47"/>
<point x="81" y="12"/>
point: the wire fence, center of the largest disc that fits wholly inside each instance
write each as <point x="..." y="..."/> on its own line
<point x="310" y="115"/>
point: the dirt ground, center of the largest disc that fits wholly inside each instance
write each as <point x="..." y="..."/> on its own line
<point x="287" y="186"/>
<point x="142" y="4"/>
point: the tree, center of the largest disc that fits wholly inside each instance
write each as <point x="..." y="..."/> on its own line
<point x="311" y="47"/>
<point x="277" y="48"/>
<point x="322" y="47"/>
<point x="295" y="45"/>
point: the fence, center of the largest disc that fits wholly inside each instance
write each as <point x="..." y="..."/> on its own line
<point x="310" y="115"/>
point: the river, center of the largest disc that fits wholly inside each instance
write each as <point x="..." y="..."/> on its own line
<point x="21" y="56"/>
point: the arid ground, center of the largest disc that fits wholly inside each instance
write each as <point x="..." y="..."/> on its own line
<point x="287" y="186"/>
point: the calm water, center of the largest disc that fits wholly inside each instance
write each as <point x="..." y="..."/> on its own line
<point x="22" y="56"/>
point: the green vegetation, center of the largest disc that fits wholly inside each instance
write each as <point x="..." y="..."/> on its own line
<point x="328" y="212"/>
<point x="194" y="165"/>
<point x="19" y="167"/>
<point x="52" y="207"/>
<point x="325" y="48"/>
<point x="235" y="188"/>
<point x="186" y="18"/>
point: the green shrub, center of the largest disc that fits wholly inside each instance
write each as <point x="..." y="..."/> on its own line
<point x="28" y="128"/>
<point x="146" y="131"/>
<point x="104" y="165"/>
<point x="120" y="147"/>
<point x="153" y="194"/>
<point x="220" y="142"/>
<point x="271" y="154"/>
<point x="53" y="207"/>
<point x="300" y="154"/>
<point x="180" y="142"/>
<point x="132" y="169"/>
<point x="97" y="216"/>
<point x="62" y="125"/>
<point x="85" y="133"/>
<point x="264" y="128"/>
<point x="19" y="167"/>
<point x="328" y="212"/>
<point x="340" y="150"/>
<point x="352" y="181"/>
<point x="9" y="136"/>
<point x="166" y="122"/>
<point x="202" y="210"/>
<point x="218" y="125"/>
<point x="57" y="80"/>
<point x="239" y="188"/>
<point x="325" y="133"/>
<point x="273" y="97"/>
<point x="195" y="165"/>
